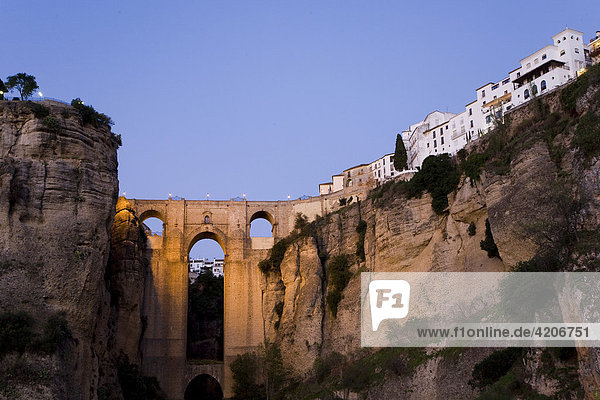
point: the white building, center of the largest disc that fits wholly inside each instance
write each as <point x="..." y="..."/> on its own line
<point x="198" y="266"/>
<point x="546" y="69"/>
<point x="427" y="137"/>
<point x="383" y="168"/>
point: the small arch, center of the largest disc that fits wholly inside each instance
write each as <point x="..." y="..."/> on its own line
<point x="543" y="85"/>
<point x="261" y="224"/>
<point x="534" y="90"/>
<point x="263" y="215"/>
<point x="206" y="219"/>
<point x="526" y="93"/>
<point x="151" y="214"/>
<point x="203" y="387"/>
<point x="153" y="222"/>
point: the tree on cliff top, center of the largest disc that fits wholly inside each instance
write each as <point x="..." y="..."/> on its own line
<point x="3" y="90"/>
<point x="400" y="157"/>
<point x="25" y="84"/>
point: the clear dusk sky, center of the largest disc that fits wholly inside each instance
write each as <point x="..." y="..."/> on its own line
<point x="269" y="98"/>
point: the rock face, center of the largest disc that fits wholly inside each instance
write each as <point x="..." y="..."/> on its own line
<point x="59" y="187"/>
<point x="126" y="274"/>
<point x="407" y="235"/>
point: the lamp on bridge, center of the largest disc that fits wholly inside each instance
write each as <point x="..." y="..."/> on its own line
<point x="289" y="197"/>
<point x="244" y="196"/>
<point x="40" y="94"/>
<point x="170" y="194"/>
<point x="207" y="196"/>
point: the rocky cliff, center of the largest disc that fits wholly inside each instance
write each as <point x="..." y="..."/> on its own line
<point x="58" y="179"/>
<point x="536" y="179"/>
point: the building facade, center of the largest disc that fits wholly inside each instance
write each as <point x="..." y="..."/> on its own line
<point x="542" y="71"/>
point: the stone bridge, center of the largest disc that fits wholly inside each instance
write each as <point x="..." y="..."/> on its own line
<point x="165" y="298"/>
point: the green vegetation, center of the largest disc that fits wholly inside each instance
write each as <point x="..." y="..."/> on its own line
<point x="577" y="89"/>
<point x="488" y="243"/>
<point x="510" y="387"/>
<point x="134" y="385"/>
<point x="400" y="156"/>
<point x="361" y="229"/>
<point x="39" y="110"/>
<point x="302" y="229"/>
<point x="338" y="276"/>
<point x="205" y="309"/>
<point x="260" y="375"/>
<point x="276" y="254"/>
<point x="51" y="123"/>
<point x="495" y="366"/>
<point x="439" y="176"/>
<point x="587" y="135"/>
<point x="3" y="89"/>
<point x="16" y="332"/>
<point x="56" y="332"/>
<point x="472" y="230"/>
<point x="278" y="310"/>
<point x="301" y="221"/>
<point x="473" y="164"/>
<point x="17" y="335"/>
<point x="89" y="115"/>
<point x="23" y="83"/>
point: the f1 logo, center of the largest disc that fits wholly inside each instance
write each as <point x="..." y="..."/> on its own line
<point x="389" y="300"/>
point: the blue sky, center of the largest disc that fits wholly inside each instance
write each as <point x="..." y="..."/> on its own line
<point x="269" y="98"/>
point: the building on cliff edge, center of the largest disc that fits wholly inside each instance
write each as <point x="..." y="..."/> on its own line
<point x="540" y="72"/>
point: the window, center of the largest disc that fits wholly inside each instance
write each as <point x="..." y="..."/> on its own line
<point x="427" y="145"/>
<point x="526" y="93"/>
<point x="483" y="93"/>
<point x="562" y="52"/>
<point x="442" y="141"/>
<point x="435" y="143"/>
<point x="536" y="61"/>
<point x="471" y="123"/>
<point x="534" y="90"/>
<point x="528" y="65"/>
<point x="543" y="85"/>
<point x="504" y="82"/>
<point x="206" y="219"/>
<point x="470" y="111"/>
<point x="576" y="50"/>
<point x="434" y="134"/>
<point x="488" y="119"/>
<point x="495" y="86"/>
<point x="518" y="74"/>
<point x="544" y="56"/>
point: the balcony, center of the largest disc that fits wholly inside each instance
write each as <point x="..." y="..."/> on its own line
<point x="539" y="71"/>
<point x="499" y="101"/>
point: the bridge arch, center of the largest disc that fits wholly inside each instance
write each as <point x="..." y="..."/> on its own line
<point x="207" y="232"/>
<point x="264" y="215"/>
<point x="205" y="387"/>
<point x="151" y="214"/>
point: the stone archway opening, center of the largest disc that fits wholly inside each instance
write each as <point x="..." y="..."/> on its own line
<point x="203" y="387"/>
<point x="205" y="317"/>
<point x="261" y="224"/>
<point x="152" y="222"/>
